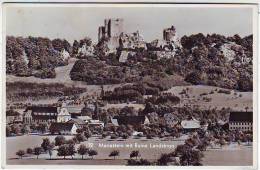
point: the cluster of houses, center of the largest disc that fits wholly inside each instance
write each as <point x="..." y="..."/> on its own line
<point x="67" y="119"/>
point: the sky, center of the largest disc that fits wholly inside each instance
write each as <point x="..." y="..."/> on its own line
<point x="76" y="22"/>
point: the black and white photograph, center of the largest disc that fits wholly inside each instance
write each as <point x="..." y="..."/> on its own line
<point x="129" y="84"/>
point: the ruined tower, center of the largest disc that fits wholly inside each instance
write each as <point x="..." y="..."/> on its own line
<point x="169" y="34"/>
<point x="111" y="30"/>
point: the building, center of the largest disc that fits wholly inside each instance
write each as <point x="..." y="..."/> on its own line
<point x="40" y="114"/>
<point x="13" y="117"/>
<point x="96" y="123"/>
<point x="61" y="128"/>
<point x="169" y="34"/>
<point x="131" y="41"/>
<point x="63" y="114"/>
<point x="242" y="121"/>
<point x="129" y="120"/>
<point x="48" y="114"/>
<point x="190" y="125"/>
<point x="79" y="123"/>
<point x="166" y="47"/>
<point x="111" y="31"/>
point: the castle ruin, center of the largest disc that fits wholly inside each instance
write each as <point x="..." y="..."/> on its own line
<point x="111" y="31"/>
<point x="169" y="34"/>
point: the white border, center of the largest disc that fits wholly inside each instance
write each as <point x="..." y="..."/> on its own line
<point x="255" y="70"/>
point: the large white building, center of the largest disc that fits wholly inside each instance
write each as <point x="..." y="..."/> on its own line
<point x="242" y="121"/>
<point x="46" y="114"/>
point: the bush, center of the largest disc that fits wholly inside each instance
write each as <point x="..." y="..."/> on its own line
<point x="114" y="154"/>
<point x="20" y="153"/>
<point x="60" y="140"/>
<point x="29" y="151"/>
<point x="92" y="153"/>
<point x="224" y="91"/>
<point x="113" y="136"/>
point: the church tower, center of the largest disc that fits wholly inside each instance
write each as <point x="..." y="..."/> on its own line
<point x="63" y="114"/>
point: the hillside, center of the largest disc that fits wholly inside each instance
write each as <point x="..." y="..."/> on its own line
<point x="213" y="60"/>
<point x="35" y="56"/>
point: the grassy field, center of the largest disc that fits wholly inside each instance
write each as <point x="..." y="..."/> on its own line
<point x="235" y="100"/>
<point x="23" y="142"/>
<point x="235" y="155"/>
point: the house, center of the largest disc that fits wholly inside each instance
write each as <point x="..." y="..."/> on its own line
<point x="48" y="114"/>
<point x="242" y="121"/>
<point x="130" y="120"/>
<point x="96" y="123"/>
<point x="190" y="125"/>
<point x="67" y="128"/>
<point x="80" y="123"/>
<point x="13" y="117"/>
<point x="40" y="114"/>
<point x="137" y="134"/>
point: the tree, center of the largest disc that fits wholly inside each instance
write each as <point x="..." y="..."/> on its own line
<point x="92" y="153"/>
<point x="82" y="150"/>
<point x="43" y="127"/>
<point x="60" y="140"/>
<point x="134" y="154"/>
<point x="87" y="134"/>
<point x="25" y="129"/>
<point x="8" y="131"/>
<point x="50" y="148"/>
<point x="37" y="151"/>
<point x="71" y="150"/>
<point x="80" y="137"/>
<point x="20" y="153"/>
<point x="63" y="151"/>
<point x="140" y="162"/>
<point x="50" y="152"/>
<point x="114" y="154"/>
<point x="45" y="144"/>
<point x="164" y="159"/>
<point x="125" y="136"/>
<point x="29" y="151"/>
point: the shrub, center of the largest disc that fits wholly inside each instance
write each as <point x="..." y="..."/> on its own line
<point x="20" y="153"/>
<point x="114" y="154"/>
<point x="60" y="140"/>
<point x="92" y="153"/>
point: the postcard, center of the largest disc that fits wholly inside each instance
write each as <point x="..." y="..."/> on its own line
<point x="129" y="84"/>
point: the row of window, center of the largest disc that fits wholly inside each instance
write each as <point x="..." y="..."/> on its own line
<point x="29" y="120"/>
<point x="49" y="114"/>
<point x="241" y="123"/>
<point x="241" y="128"/>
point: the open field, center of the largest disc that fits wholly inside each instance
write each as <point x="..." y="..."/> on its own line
<point x="143" y="145"/>
<point x="235" y="155"/>
<point x="62" y="76"/>
<point x="224" y="157"/>
<point x="236" y="100"/>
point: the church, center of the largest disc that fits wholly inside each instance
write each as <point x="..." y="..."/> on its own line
<point x="46" y="114"/>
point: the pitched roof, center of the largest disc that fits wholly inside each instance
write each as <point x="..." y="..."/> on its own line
<point x="43" y="109"/>
<point x="12" y="113"/>
<point x="190" y="124"/>
<point x="74" y="109"/>
<point x="132" y="120"/>
<point x="77" y="121"/>
<point x="59" y="127"/>
<point x="241" y="117"/>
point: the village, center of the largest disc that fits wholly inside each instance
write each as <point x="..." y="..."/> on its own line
<point x="178" y="125"/>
